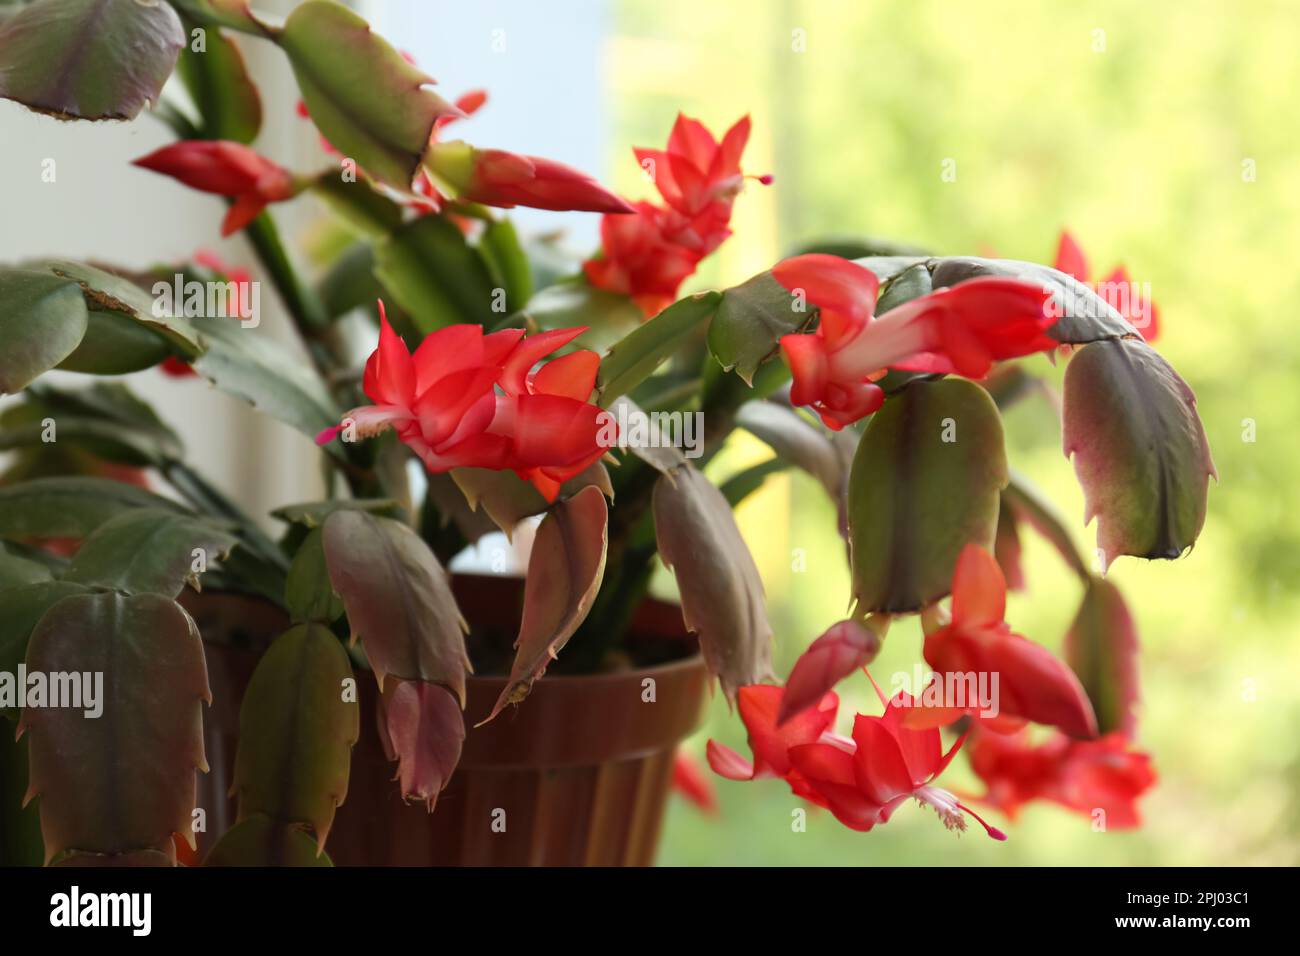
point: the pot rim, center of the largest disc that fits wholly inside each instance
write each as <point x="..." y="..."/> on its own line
<point x="689" y="662"/>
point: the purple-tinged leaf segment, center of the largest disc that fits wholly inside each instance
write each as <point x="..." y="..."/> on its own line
<point x="422" y="728"/>
<point x="721" y="592"/>
<point x="507" y="499"/>
<point x="398" y="600"/>
<point x="1139" y="449"/>
<point x="89" y="59"/>
<point x="565" y="569"/>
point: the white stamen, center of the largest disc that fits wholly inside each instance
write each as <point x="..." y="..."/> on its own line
<point x="944" y="804"/>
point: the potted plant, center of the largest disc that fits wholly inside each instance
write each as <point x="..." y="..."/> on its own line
<point x="533" y="720"/>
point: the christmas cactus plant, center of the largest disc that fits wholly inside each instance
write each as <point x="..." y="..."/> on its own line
<point x="534" y="389"/>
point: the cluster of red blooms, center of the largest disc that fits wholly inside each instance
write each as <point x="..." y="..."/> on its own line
<point x="649" y="255"/>
<point x="465" y="399"/>
<point x="888" y="759"/>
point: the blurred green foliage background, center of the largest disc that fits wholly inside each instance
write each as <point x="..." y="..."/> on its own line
<point x="1163" y="135"/>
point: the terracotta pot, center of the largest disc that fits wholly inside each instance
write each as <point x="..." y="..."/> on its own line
<point x="578" y="774"/>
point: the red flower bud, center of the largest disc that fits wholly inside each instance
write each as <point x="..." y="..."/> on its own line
<point x="227" y="169"/>
<point x="495" y="177"/>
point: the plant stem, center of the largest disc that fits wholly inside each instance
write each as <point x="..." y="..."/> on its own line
<point x="629" y="564"/>
<point x="304" y="307"/>
<point x="316" y="330"/>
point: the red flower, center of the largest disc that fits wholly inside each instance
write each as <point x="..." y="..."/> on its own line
<point x="495" y="177"/>
<point x="690" y="781"/>
<point x="1031" y="683"/>
<point x="696" y="170"/>
<point x="650" y="255"/>
<point x="440" y="399"/>
<point x="862" y="779"/>
<point x="444" y="402"/>
<point x="639" y="260"/>
<point x="227" y="169"/>
<point x="1081" y="775"/>
<point x="699" y="178"/>
<point x="1124" y="295"/>
<point x="962" y="329"/>
<point x="178" y="368"/>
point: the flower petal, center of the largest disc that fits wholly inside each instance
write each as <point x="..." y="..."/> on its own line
<point x="726" y="161"/>
<point x="1070" y="258"/>
<point x="759" y="704"/>
<point x="528" y="352"/>
<point x="1032" y="682"/>
<point x="725" y="762"/>
<point x="979" y="591"/>
<point x="806" y="356"/>
<point x="447" y="350"/>
<point x="829" y="774"/>
<point x="691" y="783"/>
<point x="243" y="211"/>
<point x="571" y="376"/>
<point x="442" y="407"/>
<point x="390" y="373"/>
<point x="882" y="772"/>
<point x="551" y="430"/>
<point x="831" y="283"/>
<point x="692" y="140"/>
